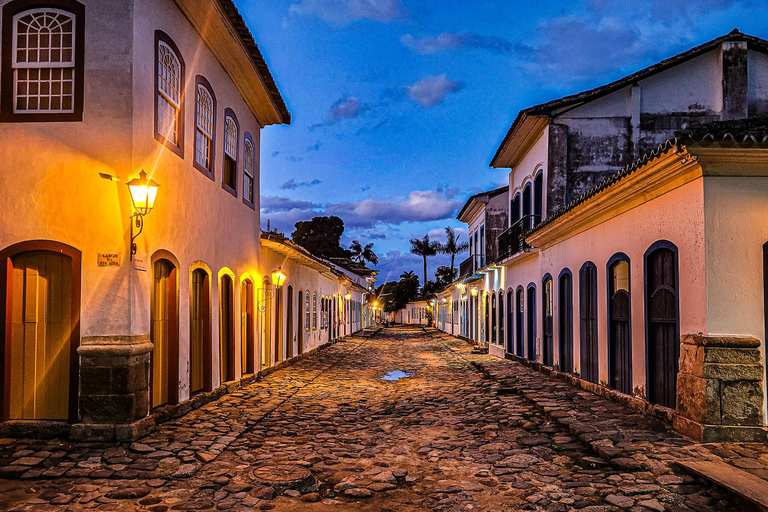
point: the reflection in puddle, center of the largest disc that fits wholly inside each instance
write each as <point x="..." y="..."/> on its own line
<point x="396" y="375"/>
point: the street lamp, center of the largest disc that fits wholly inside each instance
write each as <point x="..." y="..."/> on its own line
<point x="474" y="291"/>
<point x="348" y="296"/>
<point x="278" y="277"/>
<point x="143" y="195"/>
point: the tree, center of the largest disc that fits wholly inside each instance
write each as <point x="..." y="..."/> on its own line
<point x="321" y="236"/>
<point x="362" y="254"/>
<point x="356" y="249"/>
<point x="424" y="248"/>
<point x="452" y="245"/>
<point x="444" y="276"/>
<point x="395" y="295"/>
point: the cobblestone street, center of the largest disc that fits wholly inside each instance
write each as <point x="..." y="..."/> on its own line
<point x="447" y="437"/>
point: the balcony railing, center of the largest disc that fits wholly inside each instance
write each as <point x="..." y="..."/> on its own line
<point x="471" y="265"/>
<point x="511" y="241"/>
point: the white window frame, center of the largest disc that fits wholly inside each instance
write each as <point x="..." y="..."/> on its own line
<point x="249" y="161"/>
<point x="203" y="133"/>
<point x="166" y="93"/>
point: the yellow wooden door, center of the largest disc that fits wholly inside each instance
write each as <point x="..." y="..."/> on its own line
<point x="41" y="332"/>
<point x="197" y="330"/>
<point x="161" y="326"/>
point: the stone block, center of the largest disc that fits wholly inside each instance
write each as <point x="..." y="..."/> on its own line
<point x="733" y="372"/>
<point x="732" y="434"/>
<point x="141" y="400"/>
<point x="698" y="398"/>
<point x="742" y="403"/>
<point x="732" y="356"/>
<point x="92" y="432"/>
<point x="95" y="380"/>
<point x="691" y="359"/>
<point x="112" y="409"/>
<point x="132" y="431"/>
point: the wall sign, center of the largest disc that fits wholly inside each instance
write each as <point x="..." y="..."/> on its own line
<point x="109" y="259"/>
<point x="140" y="262"/>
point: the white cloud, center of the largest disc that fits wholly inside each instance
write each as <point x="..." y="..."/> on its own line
<point x="451" y="40"/>
<point x="341" y="12"/>
<point x="432" y="90"/>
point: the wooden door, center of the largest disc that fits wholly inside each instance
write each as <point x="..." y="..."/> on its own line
<point x="588" y="324"/>
<point x="520" y="322"/>
<point x="510" y="322"/>
<point x="40" y="336"/>
<point x="548" y="346"/>
<point x="620" y="341"/>
<point x="200" y="332"/>
<point x="300" y="326"/>
<point x="164" y="334"/>
<point x="278" y="347"/>
<point x="565" y="340"/>
<point x="531" y="324"/>
<point x="289" y="334"/>
<point x="248" y="323"/>
<point x="501" y="319"/>
<point x="663" y="328"/>
<point x="488" y="334"/>
<point x="227" y="329"/>
<point x="266" y="325"/>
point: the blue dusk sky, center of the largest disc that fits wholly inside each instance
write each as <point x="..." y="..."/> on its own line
<point x="399" y="105"/>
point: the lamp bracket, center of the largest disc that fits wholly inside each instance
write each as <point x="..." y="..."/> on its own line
<point x="266" y="294"/>
<point x="137" y="223"/>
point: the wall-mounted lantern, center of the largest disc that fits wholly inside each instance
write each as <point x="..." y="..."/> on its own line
<point x="474" y="291"/>
<point x="445" y="300"/>
<point x="278" y="277"/>
<point x="143" y="195"/>
<point x="348" y="296"/>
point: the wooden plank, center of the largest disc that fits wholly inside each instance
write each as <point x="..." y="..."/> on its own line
<point x="746" y="485"/>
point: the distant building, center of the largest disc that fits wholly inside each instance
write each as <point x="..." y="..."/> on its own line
<point x="98" y="337"/>
<point x="635" y="254"/>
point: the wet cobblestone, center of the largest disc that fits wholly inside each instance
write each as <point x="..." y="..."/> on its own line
<point x="445" y="438"/>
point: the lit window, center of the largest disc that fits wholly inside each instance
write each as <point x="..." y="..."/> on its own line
<point x="204" y="128"/>
<point x="314" y="311"/>
<point x="169" y="93"/>
<point x="248" y="165"/>
<point x="230" y="152"/>
<point x="307" y="313"/>
<point x="44" y="62"/>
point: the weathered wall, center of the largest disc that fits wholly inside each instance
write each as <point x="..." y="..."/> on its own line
<point x="535" y="160"/>
<point x="496" y="222"/>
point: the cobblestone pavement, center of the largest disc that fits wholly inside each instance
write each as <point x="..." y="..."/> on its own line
<point x="445" y="438"/>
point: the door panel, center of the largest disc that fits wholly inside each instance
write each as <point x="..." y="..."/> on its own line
<point x="41" y="328"/>
<point x="663" y="329"/>
<point x="161" y="331"/>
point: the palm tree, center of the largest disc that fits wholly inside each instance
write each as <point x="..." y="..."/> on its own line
<point x="408" y="275"/>
<point x="368" y="254"/>
<point x="357" y="250"/>
<point x="424" y="248"/>
<point x="452" y="245"/>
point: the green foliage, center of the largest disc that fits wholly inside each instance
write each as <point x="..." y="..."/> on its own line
<point x="452" y="245"/>
<point x="321" y="236"/>
<point x="363" y="254"/>
<point x="444" y="276"/>
<point x="424" y="248"/>
<point x="394" y="295"/>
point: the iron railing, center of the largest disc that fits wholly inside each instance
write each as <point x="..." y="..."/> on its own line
<point x="511" y="241"/>
<point x="471" y="265"/>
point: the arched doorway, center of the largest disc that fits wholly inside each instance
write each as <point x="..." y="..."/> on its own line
<point x="40" y="282"/>
<point x="227" y="328"/>
<point x="588" y="324"/>
<point x="278" y="347"/>
<point x="248" y="324"/>
<point x="510" y="322"/>
<point x="619" y="332"/>
<point x="289" y="332"/>
<point x="300" y="320"/>
<point x="531" y="352"/>
<point x="164" y="333"/>
<point x="520" y="321"/>
<point x="501" y="319"/>
<point x="662" y="323"/>
<point x="266" y="323"/>
<point x="200" y="332"/>
<point x="488" y="336"/>
<point x="565" y="321"/>
<point x="547" y="322"/>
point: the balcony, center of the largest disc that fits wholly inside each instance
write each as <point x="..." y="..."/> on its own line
<point x="471" y="265"/>
<point x="511" y="241"/>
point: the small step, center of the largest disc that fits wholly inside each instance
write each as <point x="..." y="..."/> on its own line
<point x="738" y="481"/>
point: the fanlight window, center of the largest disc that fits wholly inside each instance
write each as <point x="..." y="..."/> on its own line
<point x="204" y="128"/>
<point x="248" y="164"/>
<point x="44" y="61"/>
<point x="169" y="92"/>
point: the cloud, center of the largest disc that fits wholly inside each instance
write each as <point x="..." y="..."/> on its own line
<point x="276" y="204"/>
<point x="376" y="127"/>
<point x="432" y="90"/>
<point x="341" y="12"/>
<point x="418" y="206"/>
<point x="393" y="263"/>
<point x="345" y="108"/>
<point x="292" y="185"/>
<point x="314" y="147"/>
<point x="450" y="41"/>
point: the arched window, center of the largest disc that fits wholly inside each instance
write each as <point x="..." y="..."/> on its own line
<point x="515" y="213"/>
<point x="527" y="206"/>
<point x="662" y="320"/>
<point x="531" y="352"/>
<point x="43" y="75"/>
<point x="565" y="321"/>
<point x="314" y="311"/>
<point x="307" y="312"/>
<point x="205" y="114"/>
<point x="231" y="135"/>
<point x="170" y="94"/>
<point x="619" y="331"/>
<point x="588" y="322"/>
<point x="538" y="197"/>
<point x="249" y="166"/>
<point x="547" y="321"/>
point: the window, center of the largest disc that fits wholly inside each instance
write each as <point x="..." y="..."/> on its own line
<point x="169" y="97"/>
<point x="527" y="207"/>
<point x="538" y="197"/>
<point x="249" y="162"/>
<point x="515" y="213"/>
<point x="482" y="246"/>
<point x="231" y="134"/>
<point x="205" y="114"/>
<point x="307" y="313"/>
<point x="43" y="76"/>
<point x="619" y="332"/>
<point x="314" y="311"/>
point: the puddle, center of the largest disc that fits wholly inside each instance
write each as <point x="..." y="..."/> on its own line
<point x="396" y="375"/>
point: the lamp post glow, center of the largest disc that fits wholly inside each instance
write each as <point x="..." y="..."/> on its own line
<point x="278" y="277"/>
<point x="348" y="296"/>
<point x="474" y="291"/>
<point x="143" y="194"/>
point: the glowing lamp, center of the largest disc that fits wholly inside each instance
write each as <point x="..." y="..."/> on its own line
<point x="348" y="296"/>
<point x="278" y="277"/>
<point x="143" y="193"/>
<point x="474" y="292"/>
<point x="375" y="304"/>
<point x="445" y="300"/>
